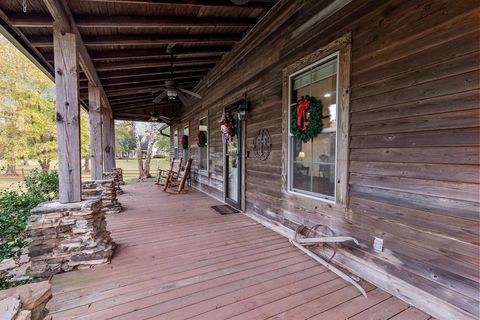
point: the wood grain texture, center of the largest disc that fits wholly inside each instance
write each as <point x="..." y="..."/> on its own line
<point x="173" y="262"/>
<point x="413" y="138"/>
<point x="108" y="136"/>
<point x="67" y="116"/>
<point x="96" y="139"/>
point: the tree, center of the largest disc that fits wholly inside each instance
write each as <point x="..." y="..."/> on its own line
<point x="125" y="137"/>
<point x="27" y="110"/>
<point x="145" y="138"/>
<point x="163" y="141"/>
<point x="85" y="139"/>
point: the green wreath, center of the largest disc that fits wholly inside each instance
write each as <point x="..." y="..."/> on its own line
<point x="201" y="139"/>
<point x="307" y="128"/>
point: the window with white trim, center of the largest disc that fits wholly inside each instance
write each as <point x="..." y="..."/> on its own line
<point x="186" y="152"/>
<point x="312" y="165"/>
<point x="203" y="151"/>
<point x="175" y="144"/>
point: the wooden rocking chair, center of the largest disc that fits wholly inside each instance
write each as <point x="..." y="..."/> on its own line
<point x="163" y="174"/>
<point x="172" y="183"/>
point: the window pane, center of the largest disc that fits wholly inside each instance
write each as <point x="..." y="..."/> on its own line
<point x="323" y="177"/>
<point x="186" y="152"/>
<point x="313" y="164"/>
<point x="175" y="138"/>
<point x="301" y="176"/>
<point x="324" y="148"/>
<point x="302" y="151"/>
<point x="323" y="169"/>
<point x="203" y="160"/>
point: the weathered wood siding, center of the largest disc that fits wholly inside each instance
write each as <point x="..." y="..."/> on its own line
<point x="414" y="134"/>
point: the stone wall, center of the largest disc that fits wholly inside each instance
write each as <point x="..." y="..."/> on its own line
<point x="14" y="269"/>
<point x="117" y="176"/>
<point x="67" y="236"/>
<point x="27" y="302"/>
<point x="120" y="175"/>
<point x="106" y="191"/>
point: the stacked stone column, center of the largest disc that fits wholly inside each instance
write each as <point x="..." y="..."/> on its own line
<point x="117" y="176"/>
<point x="106" y="191"/>
<point x="67" y="236"/>
<point x="120" y="175"/>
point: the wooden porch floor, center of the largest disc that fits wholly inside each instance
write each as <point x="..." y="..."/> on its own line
<point x="179" y="259"/>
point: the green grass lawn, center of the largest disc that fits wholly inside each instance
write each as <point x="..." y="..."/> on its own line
<point x="130" y="171"/>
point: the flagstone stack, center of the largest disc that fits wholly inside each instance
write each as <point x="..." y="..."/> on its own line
<point x="120" y="175"/>
<point x="26" y="302"/>
<point x="116" y="177"/>
<point x="106" y="191"/>
<point x="65" y="236"/>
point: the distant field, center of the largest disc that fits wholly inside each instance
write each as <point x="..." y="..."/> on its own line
<point x="130" y="171"/>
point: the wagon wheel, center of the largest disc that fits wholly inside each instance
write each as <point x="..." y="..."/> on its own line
<point x="325" y="250"/>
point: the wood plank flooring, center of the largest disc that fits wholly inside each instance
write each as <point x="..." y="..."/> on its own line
<point x="179" y="259"/>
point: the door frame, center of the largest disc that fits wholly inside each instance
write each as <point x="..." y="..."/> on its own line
<point x="240" y="204"/>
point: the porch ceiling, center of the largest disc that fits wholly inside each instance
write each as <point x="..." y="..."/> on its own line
<point x="127" y="40"/>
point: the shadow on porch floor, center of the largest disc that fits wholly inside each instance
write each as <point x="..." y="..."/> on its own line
<point x="179" y="259"/>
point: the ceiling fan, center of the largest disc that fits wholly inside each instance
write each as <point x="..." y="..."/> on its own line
<point x="155" y="117"/>
<point x="170" y="89"/>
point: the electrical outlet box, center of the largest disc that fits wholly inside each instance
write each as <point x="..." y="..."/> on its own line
<point x="378" y="244"/>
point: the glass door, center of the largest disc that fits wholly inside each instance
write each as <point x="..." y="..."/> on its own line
<point x="233" y="161"/>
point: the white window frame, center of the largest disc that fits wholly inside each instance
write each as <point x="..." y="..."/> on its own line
<point x="175" y="144"/>
<point x="290" y="188"/>
<point x="342" y="48"/>
<point x="186" y="127"/>
<point x="204" y="172"/>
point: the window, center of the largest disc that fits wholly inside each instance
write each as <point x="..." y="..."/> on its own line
<point x="312" y="165"/>
<point x="186" y="152"/>
<point x="175" y="144"/>
<point x="203" y="151"/>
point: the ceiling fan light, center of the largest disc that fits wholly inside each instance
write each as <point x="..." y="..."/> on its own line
<point x="172" y="94"/>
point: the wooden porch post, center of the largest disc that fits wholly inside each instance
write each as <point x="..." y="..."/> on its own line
<point x="112" y="128"/>
<point x="95" y="120"/>
<point x="108" y="128"/>
<point x="68" y="115"/>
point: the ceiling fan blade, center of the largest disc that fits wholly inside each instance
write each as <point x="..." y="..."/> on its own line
<point x="153" y="91"/>
<point x="182" y="98"/>
<point x="193" y="94"/>
<point x="165" y="119"/>
<point x="160" y="97"/>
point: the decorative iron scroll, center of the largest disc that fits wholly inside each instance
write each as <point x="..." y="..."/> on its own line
<point x="262" y="145"/>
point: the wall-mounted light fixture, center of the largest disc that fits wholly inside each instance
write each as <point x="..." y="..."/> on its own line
<point x="243" y="108"/>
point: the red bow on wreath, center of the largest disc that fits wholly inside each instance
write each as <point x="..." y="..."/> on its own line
<point x="302" y="108"/>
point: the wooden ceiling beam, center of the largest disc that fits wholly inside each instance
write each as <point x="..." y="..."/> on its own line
<point x="138" y="40"/>
<point x="152" y="63"/>
<point x="129" y="103"/>
<point x="211" y="3"/>
<point x="132" y="98"/>
<point x="108" y="84"/>
<point x="60" y="12"/>
<point x="117" y="74"/>
<point x="127" y="90"/>
<point x="147" y="84"/>
<point x="116" y="55"/>
<point x="146" y="105"/>
<point x="41" y="20"/>
<point x="145" y="100"/>
<point x="142" y="93"/>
